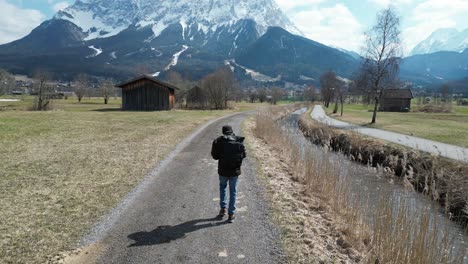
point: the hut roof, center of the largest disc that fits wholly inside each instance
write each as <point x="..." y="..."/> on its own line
<point x="398" y="94"/>
<point x="147" y="77"/>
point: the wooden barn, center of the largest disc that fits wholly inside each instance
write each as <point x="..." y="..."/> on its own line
<point x="396" y="100"/>
<point x="197" y="98"/>
<point x="145" y="93"/>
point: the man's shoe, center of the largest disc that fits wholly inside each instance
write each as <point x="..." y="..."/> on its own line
<point x="222" y="212"/>
<point x="231" y="218"/>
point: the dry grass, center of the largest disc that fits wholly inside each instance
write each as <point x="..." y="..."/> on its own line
<point x="62" y="170"/>
<point x="433" y="108"/>
<point x="449" y="128"/>
<point x="313" y="231"/>
<point x="444" y="180"/>
<point x="393" y="236"/>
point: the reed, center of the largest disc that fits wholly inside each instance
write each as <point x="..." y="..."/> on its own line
<point x="442" y="179"/>
<point x="387" y="235"/>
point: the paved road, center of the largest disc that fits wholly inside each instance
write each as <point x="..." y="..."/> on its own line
<point x="170" y="218"/>
<point x="446" y="150"/>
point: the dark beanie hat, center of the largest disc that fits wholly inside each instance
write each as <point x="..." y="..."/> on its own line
<point x="227" y="130"/>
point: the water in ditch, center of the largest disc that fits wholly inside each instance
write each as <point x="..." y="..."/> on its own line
<point x="370" y="185"/>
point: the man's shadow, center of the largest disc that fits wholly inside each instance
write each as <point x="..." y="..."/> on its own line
<point x="166" y="234"/>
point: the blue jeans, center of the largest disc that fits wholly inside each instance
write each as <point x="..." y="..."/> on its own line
<point x="223" y="182"/>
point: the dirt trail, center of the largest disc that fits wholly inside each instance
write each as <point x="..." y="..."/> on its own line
<point x="171" y="217"/>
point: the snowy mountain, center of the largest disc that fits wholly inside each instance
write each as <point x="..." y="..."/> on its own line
<point x="448" y="39"/>
<point x="121" y="38"/>
<point x="104" y="18"/>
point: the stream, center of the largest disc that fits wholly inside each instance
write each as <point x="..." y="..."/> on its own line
<point x="366" y="183"/>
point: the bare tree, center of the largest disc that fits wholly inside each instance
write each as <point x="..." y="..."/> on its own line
<point x="262" y="95"/>
<point x="107" y="89"/>
<point x="342" y="93"/>
<point x="276" y="95"/>
<point x="238" y="94"/>
<point x="174" y="78"/>
<point x="310" y="94"/>
<point x="445" y="92"/>
<point x="328" y="85"/>
<point x="253" y="96"/>
<point x="81" y="86"/>
<point x="7" y="82"/>
<point x="219" y="86"/>
<point x="383" y="47"/>
<point x="42" y="89"/>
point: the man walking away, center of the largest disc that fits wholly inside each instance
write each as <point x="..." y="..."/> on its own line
<point x="229" y="151"/>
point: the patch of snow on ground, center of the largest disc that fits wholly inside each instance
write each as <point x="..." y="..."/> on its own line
<point x="228" y="63"/>
<point x="113" y="55"/>
<point x="157" y="51"/>
<point x="345" y="80"/>
<point x="156" y="74"/>
<point x="440" y="78"/>
<point x="175" y="57"/>
<point x="256" y="75"/>
<point x="305" y="78"/>
<point x="97" y="52"/>
<point x="184" y="27"/>
<point x="158" y="29"/>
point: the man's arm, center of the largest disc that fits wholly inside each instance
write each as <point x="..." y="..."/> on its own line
<point x="243" y="153"/>
<point x="214" y="150"/>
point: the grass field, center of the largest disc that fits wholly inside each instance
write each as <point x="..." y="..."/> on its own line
<point x="451" y="128"/>
<point x="62" y="170"/>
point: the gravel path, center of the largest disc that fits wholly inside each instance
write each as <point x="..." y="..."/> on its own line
<point x="442" y="149"/>
<point x="170" y="218"/>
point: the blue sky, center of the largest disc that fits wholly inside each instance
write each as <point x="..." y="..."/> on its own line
<point x="339" y="23"/>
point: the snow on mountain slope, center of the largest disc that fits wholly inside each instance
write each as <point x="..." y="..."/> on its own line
<point x="175" y="58"/>
<point x="96" y="51"/>
<point x="104" y="18"/>
<point x="259" y="77"/>
<point x="448" y="39"/>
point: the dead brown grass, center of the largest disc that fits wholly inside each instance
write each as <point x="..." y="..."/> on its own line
<point x="307" y="188"/>
<point x="434" y="108"/>
<point x="60" y="171"/>
<point x="313" y="230"/>
<point x="444" y="180"/>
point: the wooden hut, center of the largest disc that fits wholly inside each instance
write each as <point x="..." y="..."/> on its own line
<point x="396" y="100"/>
<point x="145" y="93"/>
<point x="197" y="98"/>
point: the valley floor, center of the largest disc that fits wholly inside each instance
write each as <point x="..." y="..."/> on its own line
<point x="61" y="170"/>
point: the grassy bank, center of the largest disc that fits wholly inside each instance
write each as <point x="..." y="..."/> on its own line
<point x="310" y="231"/>
<point x="449" y="128"/>
<point x="322" y="222"/>
<point x="444" y="180"/>
<point x="62" y="170"/>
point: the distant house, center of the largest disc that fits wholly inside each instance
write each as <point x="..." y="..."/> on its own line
<point x="396" y="100"/>
<point x="197" y="98"/>
<point x="146" y="93"/>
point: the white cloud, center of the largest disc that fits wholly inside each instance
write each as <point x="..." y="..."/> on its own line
<point x="386" y="3"/>
<point x="431" y="15"/>
<point x="16" y="22"/>
<point x="334" y="26"/>
<point x="60" y="6"/>
<point x="290" y="4"/>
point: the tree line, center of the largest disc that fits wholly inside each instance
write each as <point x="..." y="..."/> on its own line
<point x="378" y="71"/>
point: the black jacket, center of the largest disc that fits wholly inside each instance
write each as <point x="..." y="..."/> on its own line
<point x="229" y="151"/>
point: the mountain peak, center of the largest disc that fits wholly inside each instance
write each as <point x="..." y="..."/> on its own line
<point x="103" y="18"/>
<point x="444" y="39"/>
